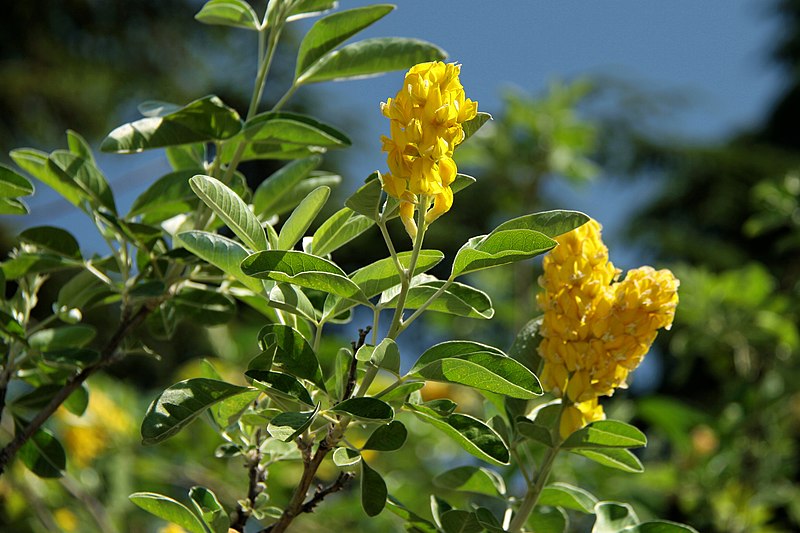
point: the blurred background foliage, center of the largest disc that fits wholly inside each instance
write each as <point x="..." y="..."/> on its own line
<point x="723" y="412"/>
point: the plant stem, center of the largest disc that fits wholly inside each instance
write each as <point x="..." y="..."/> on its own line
<point x="421" y="309"/>
<point x="532" y="496"/>
<point x="127" y="324"/>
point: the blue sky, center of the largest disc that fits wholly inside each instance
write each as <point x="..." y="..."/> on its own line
<point x="714" y="53"/>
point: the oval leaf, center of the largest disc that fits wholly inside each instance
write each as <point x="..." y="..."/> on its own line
<point x="298" y="222"/>
<point x="211" y="511"/>
<point x="287" y="426"/>
<point x="470" y="433"/>
<point x="606" y="434"/>
<point x="341" y="228"/>
<point x="345" y="457"/>
<point x="478" y="480"/>
<point x="303" y="270"/>
<point x="13" y="185"/>
<point x="618" y="458"/>
<point x="371" y="57"/>
<point x="293" y="352"/>
<point x="373" y="490"/>
<point x="168" y="509"/>
<point x="63" y="338"/>
<point x="500" y="248"/>
<point x="181" y="403"/>
<point x="283" y="385"/>
<point x="269" y="192"/>
<point x="371" y="409"/>
<point x="569" y="497"/>
<point x="43" y="454"/>
<point x="235" y="13"/>
<point x="221" y="252"/>
<point x="458" y="299"/>
<point x="231" y="209"/>
<point x="387" y="438"/>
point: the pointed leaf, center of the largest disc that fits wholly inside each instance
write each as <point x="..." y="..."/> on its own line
<point x="52" y="239"/>
<point x="309" y="8"/>
<point x="43" y="454"/>
<point x="470" y="433"/>
<point x="35" y="163"/>
<point x="181" y="403"/>
<point x="293" y="353"/>
<point x="460" y="521"/>
<point x="168" y="509"/>
<point x="613" y="517"/>
<point x="13" y="206"/>
<point x="568" y="497"/>
<point x="13" y="185"/>
<point x="366" y="200"/>
<point x="458" y="299"/>
<point x="62" y="338"/>
<point x="211" y="511"/>
<point x="478" y="480"/>
<point x="341" y="228"/>
<point x="221" y="252"/>
<point x="287" y="426"/>
<point x="282" y="385"/>
<point x="303" y="270"/>
<point x="168" y="196"/>
<point x="548" y="520"/>
<point x="93" y="185"/>
<point x="387" y="438"/>
<point x="500" y="248"/>
<point x="231" y="209"/>
<point x="298" y="222"/>
<point x="234" y="13"/>
<point x="659" y="526"/>
<point x="373" y="491"/>
<point x="618" y="458"/>
<point x="452" y="349"/>
<point x="292" y="128"/>
<point x="370" y="409"/>
<point x="204" y="306"/>
<point x="472" y="126"/>
<point x="78" y="145"/>
<point x="270" y="191"/>
<point x="329" y="32"/>
<point x="550" y="223"/>
<point x="371" y="57"/>
<point x="203" y="120"/>
<point x="606" y="434"/>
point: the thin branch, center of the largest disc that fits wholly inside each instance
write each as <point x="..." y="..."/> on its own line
<point x="321" y="493"/>
<point x="351" y="376"/>
<point x="127" y="324"/>
<point x="255" y="486"/>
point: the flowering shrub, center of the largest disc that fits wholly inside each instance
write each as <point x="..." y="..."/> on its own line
<point x="296" y="401"/>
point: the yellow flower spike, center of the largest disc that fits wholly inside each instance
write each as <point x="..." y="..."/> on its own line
<point x="426" y="118"/>
<point x="595" y="329"/>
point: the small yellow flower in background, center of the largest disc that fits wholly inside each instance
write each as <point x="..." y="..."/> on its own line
<point x="172" y="528"/>
<point x="89" y="435"/>
<point x="426" y="126"/>
<point x="595" y="329"/>
<point x="65" y="519"/>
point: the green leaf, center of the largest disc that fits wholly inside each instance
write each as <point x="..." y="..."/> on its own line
<point x="275" y="127"/>
<point x="452" y="349"/>
<point x="606" y="434"/>
<point x="78" y="145"/>
<point x="460" y="521"/>
<point x="329" y="32"/>
<point x="281" y="385"/>
<point x="544" y="520"/>
<point x="367" y="199"/>
<point x="472" y="126"/>
<point x="29" y="263"/>
<point x="298" y="222"/>
<point x="52" y="239"/>
<point x="401" y="392"/>
<point x="618" y="458"/>
<point x="385" y="355"/>
<point x="659" y="526"/>
<point x="371" y="409"/>
<point x="536" y="432"/>
<point x="10" y="326"/>
<point x="343" y="457"/>
<point x="500" y="248"/>
<point x="234" y="13"/>
<point x="13" y="185"/>
<point x="168" y="196"/>
<point x="211" y="511"/>
<point x="69" y="167"/>
<point x="526" y="343"/>
<point x="413" y="522"/>
<point x="35" y="163"/>
<point x="43" y="454"/>
<point x="613" y="517"/>
<point x="287" y="426"/>
<point x="373" y="491"/>
<point x="568" y="496"/>
<point x="221" y="252"/>
<point x="485" y="371"/>
<point x="309" y="8"/>
<point x="62" y="338"/>
<point x="470" y="433"/>
<point x="551" y="223"/>
<point x="290" y="298"/>
<point x="13" y="206"/>
<point x="181" y="403"/>
<point x="371" y="57"/>
<point x="203" y="120"/>
<point x="387" y="438"/>
<point x="204" y="306"/>
<point x="71" y="357"/>
<point x="478" y="480"/>
<point x="77" y="402"/>
<point x="293" y="353"/>
<point x="231" y="209"/>
<point x="458" y="299"/>
<point x="303" y="270"/>
<point x="168" y="509"/>
<point x="287" y="202"/>
<point x="269" y="192"/>
<point x="341" y="228"/>
<point x="157" y="108"/>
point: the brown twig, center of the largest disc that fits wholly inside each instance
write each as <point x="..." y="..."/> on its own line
<point x="322" y="492"/>
<point x="351" y="375"/>
<point x="255" y="487"/>
<point x="127" y="324"/>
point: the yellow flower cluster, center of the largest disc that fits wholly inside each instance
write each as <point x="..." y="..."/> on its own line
<point x="86" y="437"/>
<point x="596" y="330"/>
<point x="426" y="125"/>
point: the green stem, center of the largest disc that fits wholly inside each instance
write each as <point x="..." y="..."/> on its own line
<point x="407" y="322"/>
<point x="532" y="496"/>
<point x="317" y="336"/>
<point x="285" y="98"/>
<point x="407" y="274"/>
<point x="390" y="246"/>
